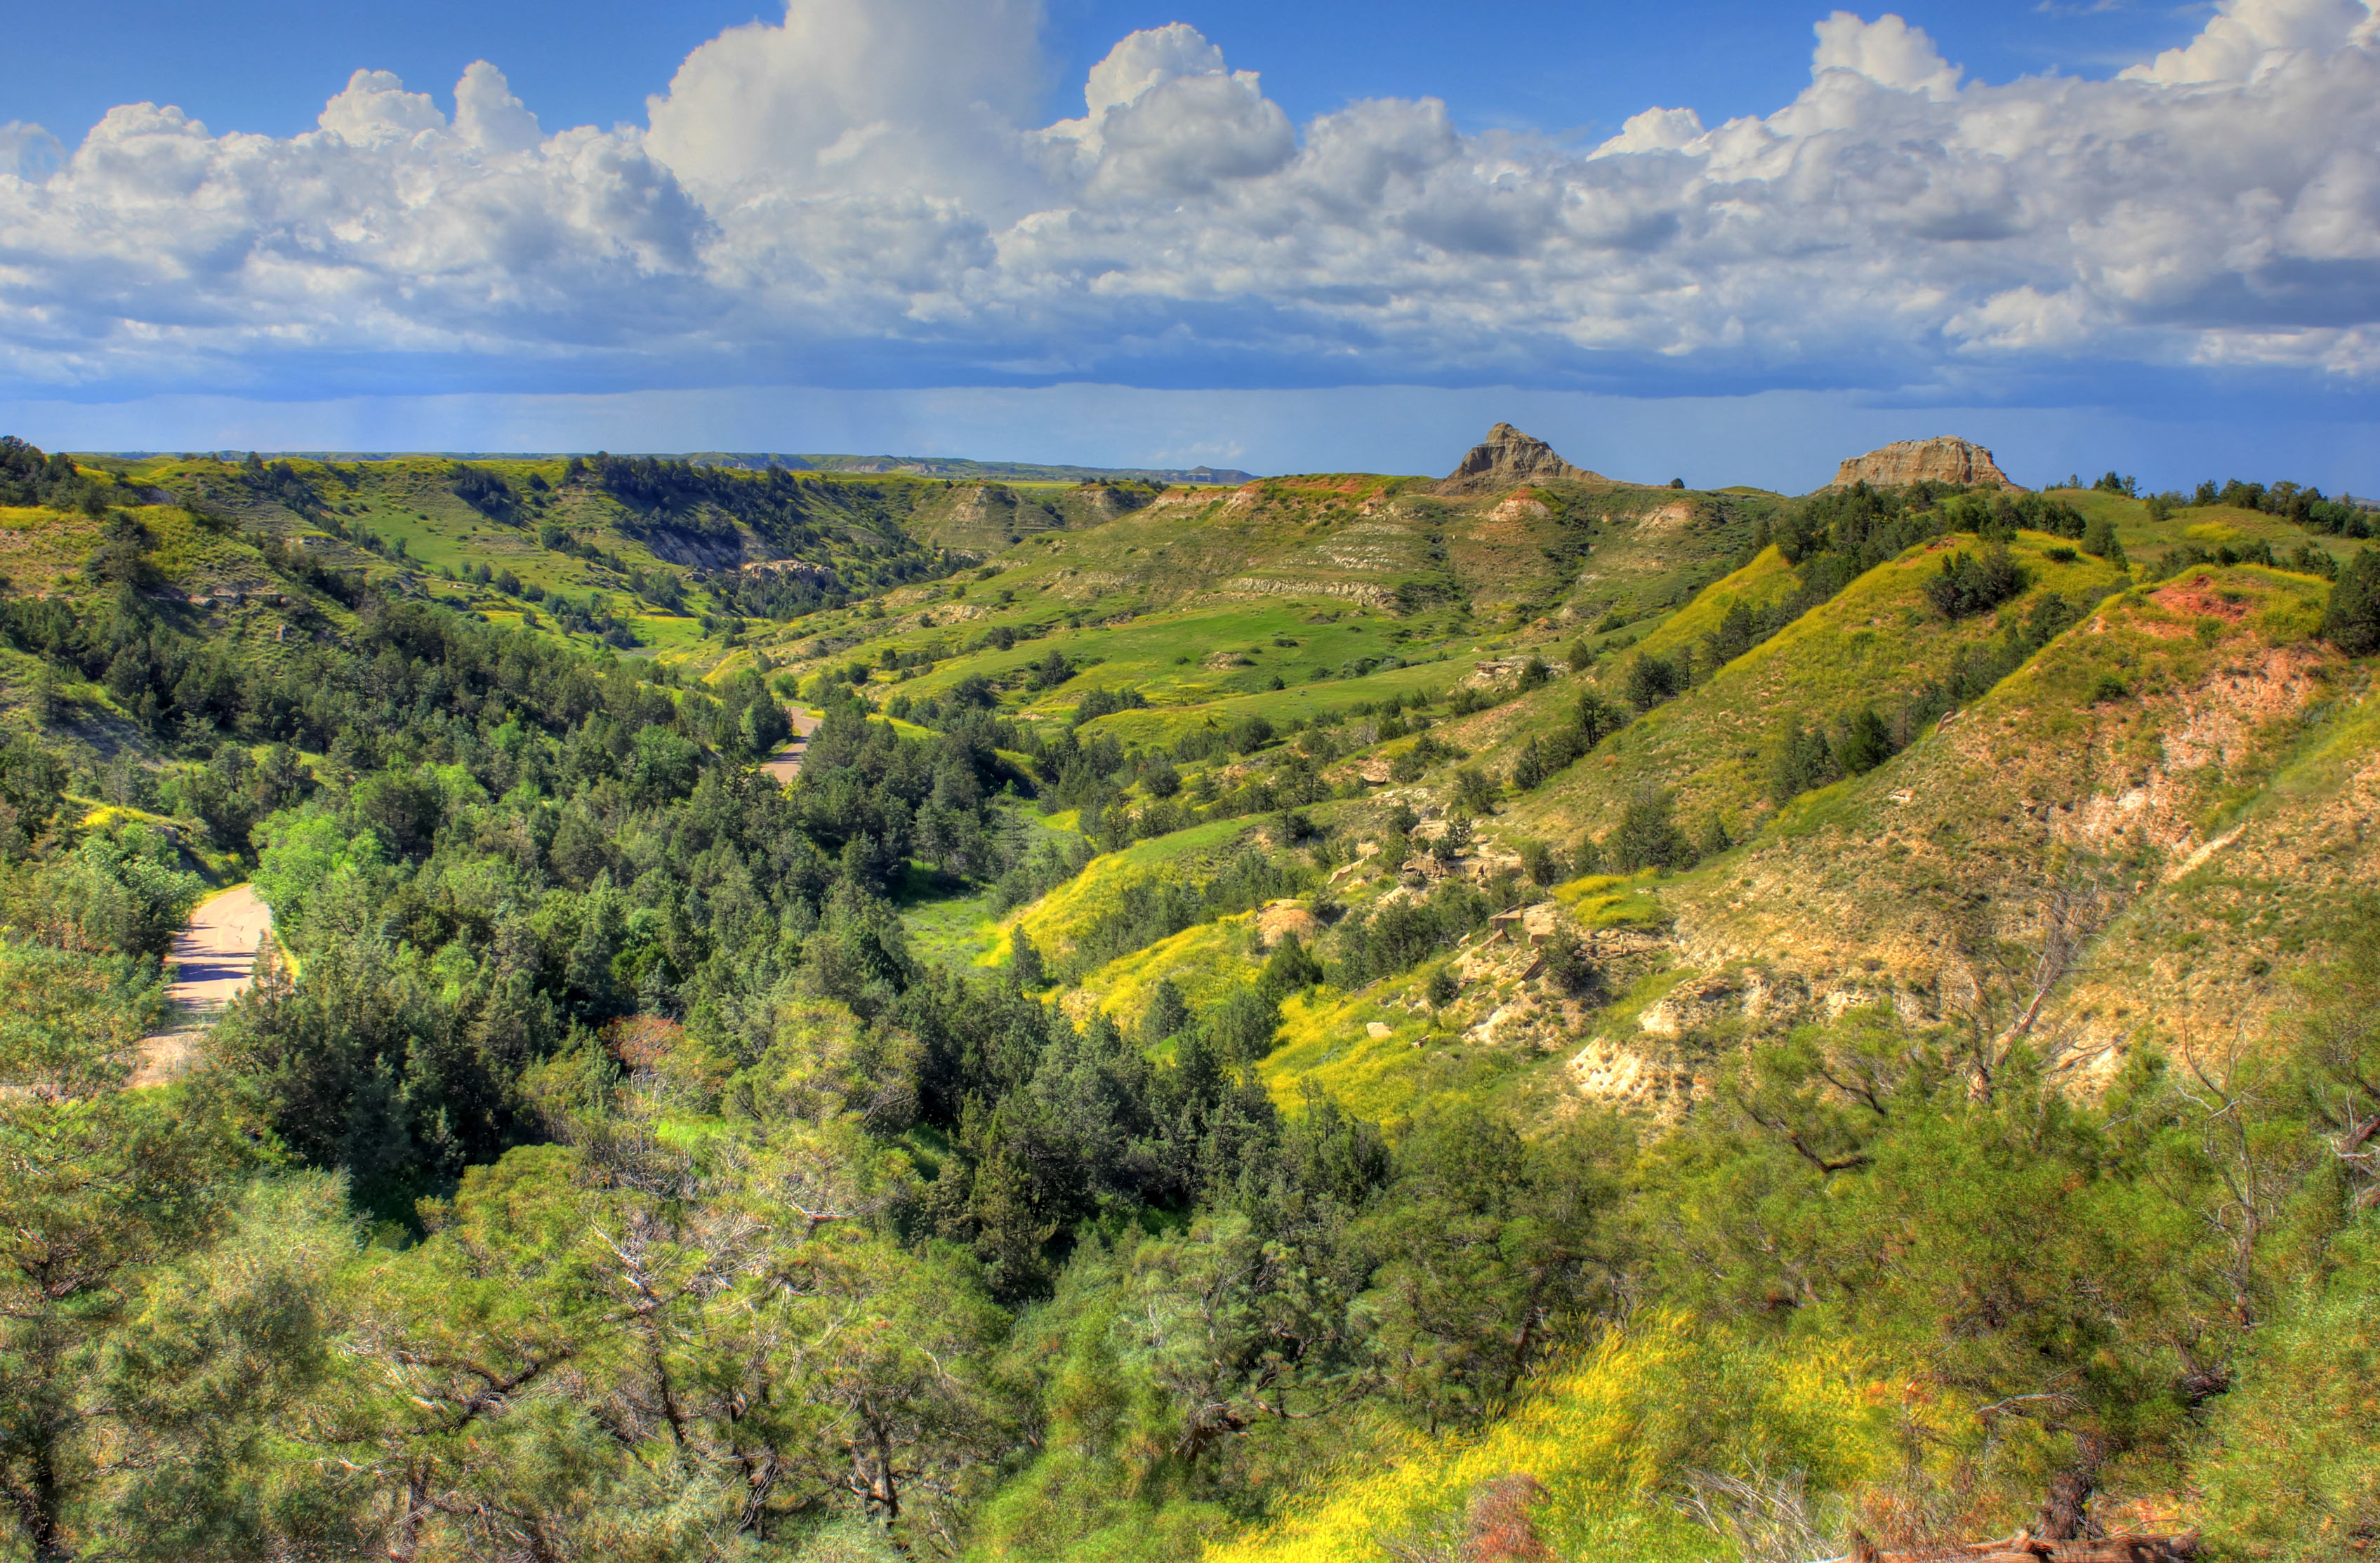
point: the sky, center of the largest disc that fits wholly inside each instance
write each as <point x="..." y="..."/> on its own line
<point x="1727" y="241"/>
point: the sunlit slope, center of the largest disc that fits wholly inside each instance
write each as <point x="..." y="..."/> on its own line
<point x="2148" y="540"/>
<point x="197" y="575"/>
<point x="424" y="524"/>
<point x="1337" y="542"/>
<point x="1611" y="1439"/>
<point x="1875" y="645"/>
<point x="984" y="519"/>
<point x="2084" y="807"/>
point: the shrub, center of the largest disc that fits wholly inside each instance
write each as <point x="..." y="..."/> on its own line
<point x="1866" y="743"/>
<point x="2099" y="541"/>
<point x="1567" y="965"/>
<point x="1473" y="790"/>
<point x="1444" y="988"/>
<point x="1805" y="762"/>
<point x="1243" y="1025"/>
<point x="1652" y="679"/>
<point x="32" y="785"/>
<point x="1647" y="835"/>
<point x="1025" y="965"/>
<point x="2297" y="1474"/>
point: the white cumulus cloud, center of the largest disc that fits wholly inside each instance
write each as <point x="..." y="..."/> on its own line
<point x="864" y="183"/>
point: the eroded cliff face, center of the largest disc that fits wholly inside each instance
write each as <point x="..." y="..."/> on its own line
<point x="1508" y="459"/>
<point x="1943" y="459"/>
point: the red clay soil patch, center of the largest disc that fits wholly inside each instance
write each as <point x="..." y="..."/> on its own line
<point x="639" y="1041"/>
<point x="1351" y="483"/>
<point x="2199" y="598"/>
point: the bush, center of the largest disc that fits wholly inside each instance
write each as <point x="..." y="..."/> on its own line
<point x="32" y="785"/>
<point x="1568" y="967"/>
<point x="2099" y="541"/>
<point x="1025" y="965"/>
<point x="1647" y="835"/>
<point x="1805" y="763"/>
<point x="123" y="893"/>
<point x="1444" y="988"/>
<point x="1652" y="679"/>
<point x="1473" y="790"/>
<point x="1866" y="743"/>
<point x="2297" y="1472"/>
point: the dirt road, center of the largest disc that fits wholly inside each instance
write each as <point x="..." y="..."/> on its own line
<point x="787" y="763"/>
<point x="214" y="961"/>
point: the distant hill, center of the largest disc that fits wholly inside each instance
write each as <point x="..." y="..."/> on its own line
<point x="761" y="461"/>
<point x="993" y="471"/>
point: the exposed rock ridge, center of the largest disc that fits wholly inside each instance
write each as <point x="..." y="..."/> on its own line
<point x="1942" y="459"/>
<point x="1507" y="459"/>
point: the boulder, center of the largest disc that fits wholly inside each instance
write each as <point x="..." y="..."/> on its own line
<point x="1940" y="460"/>
<point x="1510" y="459"/>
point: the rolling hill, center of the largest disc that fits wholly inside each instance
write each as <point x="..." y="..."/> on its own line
<point x="1332" y="997"/>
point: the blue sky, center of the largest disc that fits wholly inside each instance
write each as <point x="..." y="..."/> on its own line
<point x="267" y="65"/>
<point x="1724" y="241"/>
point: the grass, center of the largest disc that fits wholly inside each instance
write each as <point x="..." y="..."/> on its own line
<point x="2210" y="527"/>
<point x="1969" y="835"/>
<point x="1056" y="919"/>
<point x="1610" y="1436"/>
<point x="1712" y="747"/>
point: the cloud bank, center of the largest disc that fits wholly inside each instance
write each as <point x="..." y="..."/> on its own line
<point x="785" y="218"/>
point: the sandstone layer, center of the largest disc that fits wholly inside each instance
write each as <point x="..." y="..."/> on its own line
<point x="1940" y="460"/>
<point x="1507" y="459"/>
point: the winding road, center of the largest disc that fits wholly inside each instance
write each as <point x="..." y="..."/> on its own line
<point x="787" y="763"/>
<point x="213" y="962"/>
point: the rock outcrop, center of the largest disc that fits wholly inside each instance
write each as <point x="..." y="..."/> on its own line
<point x="1507" y="459"/>
<point x="1940" y="460"/>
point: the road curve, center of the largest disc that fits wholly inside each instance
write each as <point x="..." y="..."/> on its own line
<point x="213" y="962"/>
<point x="787" y="763"/>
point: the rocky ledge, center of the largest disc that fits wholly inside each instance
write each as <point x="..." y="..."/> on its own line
<point x="1940" y="460"/>
<point x="1508" y="458"/>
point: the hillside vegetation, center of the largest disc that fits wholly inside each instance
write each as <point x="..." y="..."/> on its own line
<point x="1348" y="1016"/>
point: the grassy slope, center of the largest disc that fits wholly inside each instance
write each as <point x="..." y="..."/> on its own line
<point x="1715" y="745"/>
<point x="1609" y="1437"/>
<point x="1327" y="540"/>
<point x="411" y="500"/>
<point x="2209" y="527"/>
<point x="1916" y="878"/>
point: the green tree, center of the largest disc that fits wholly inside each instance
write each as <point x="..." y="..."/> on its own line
<point x="1025" y="965"/>
<point x="1652" y="679"/>
<point x="2099" y="541"/>
<point x="2296" y="1471"/>
<point x="122" y="890"/>
<point x="1495" y="1250"/>
<point x="2351" y="620"/>
<point x="32" y="785"/>
<point x="1647" y="835"/>
<point x="104" y="1187"/>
